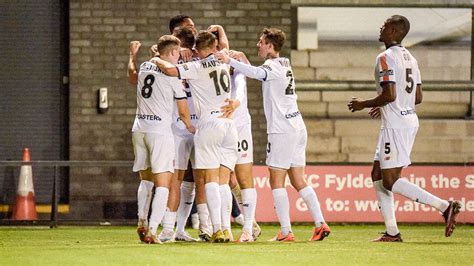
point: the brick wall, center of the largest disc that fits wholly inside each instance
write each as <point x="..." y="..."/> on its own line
<point x="100" y="33"/>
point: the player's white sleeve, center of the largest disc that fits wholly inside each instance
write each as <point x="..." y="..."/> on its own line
<point x="386" y="66"/>
<point x="178" y="88"/>
<point x="188" y="70"/>
<point x="249" y="70"/>
<point x="240" y="85"/>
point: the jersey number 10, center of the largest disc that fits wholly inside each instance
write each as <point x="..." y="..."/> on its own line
<point x="221" y="82"/>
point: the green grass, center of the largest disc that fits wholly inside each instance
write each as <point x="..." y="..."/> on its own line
<point x="347" y="244"/>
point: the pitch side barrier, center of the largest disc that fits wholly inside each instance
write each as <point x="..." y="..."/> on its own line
<point x="345" y="191"/>
<point x="369" y="86"/>
<point x="56" y="165"/>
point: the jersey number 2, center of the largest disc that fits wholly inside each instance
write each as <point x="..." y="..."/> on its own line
<point x="147" y="89"/>
<point x="221" y="82"/>
<point x="289" y="89"/>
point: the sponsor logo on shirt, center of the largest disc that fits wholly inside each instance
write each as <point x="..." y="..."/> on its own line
<point x="407" y="112"/>
<point x="148" y="117"/>
<point x="267" y="67"/>
<point x="388" y="72"/>
<point x="292" y="115"/>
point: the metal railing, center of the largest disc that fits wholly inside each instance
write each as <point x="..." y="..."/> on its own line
<point x="56" y="166"/>
<point x="467" y="86"/>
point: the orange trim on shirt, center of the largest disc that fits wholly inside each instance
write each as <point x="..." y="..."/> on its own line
<point x="383" y="63"/>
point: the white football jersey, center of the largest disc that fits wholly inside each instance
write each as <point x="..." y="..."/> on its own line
<point x="178" y="126"/>
<point x="155" y="100"/>
<point x="279" y="97"/>
<point x="241" y="115"/>
<point x="210" y="85"/>
<point x="397" y="65"/>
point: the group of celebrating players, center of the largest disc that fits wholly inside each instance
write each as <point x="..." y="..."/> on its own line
<point x="192" y="134"/>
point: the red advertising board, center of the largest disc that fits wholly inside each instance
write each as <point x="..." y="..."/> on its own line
<point x="346" y="194"/>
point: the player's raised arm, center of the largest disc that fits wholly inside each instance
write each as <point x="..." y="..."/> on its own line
<point x="248" y="70"/>
<point x="167" y="68"/>
<point x="218" y="30"/>
<point x="132" y="69"/>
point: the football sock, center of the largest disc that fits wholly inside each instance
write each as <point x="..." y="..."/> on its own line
<point x="387" y="207"/>
<point x="143" y="199"/>
<point x="168" y="220"/>
<point x="203" y="214"/>
<point x="226" y="205"/>
<point x="414" y="192"/>
<point x="214" y="204"/>
<point x="311" y="200"/>
<point x="185" y="204"/>
<point x="249" y="204"/>
<point x="158" y="208"/>
<point x="282" y="208"/>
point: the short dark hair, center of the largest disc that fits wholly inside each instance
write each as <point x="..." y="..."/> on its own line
<point x="166" y="43"/>
<point x="205" y="40"/>
<point x="274" y="36"/>
<point x="176" y="21"/>
<point x="186" y="36"/>
<point x="401" y="24"/>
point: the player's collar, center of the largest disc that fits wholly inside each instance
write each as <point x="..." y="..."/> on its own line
<point x="394" y="44"/>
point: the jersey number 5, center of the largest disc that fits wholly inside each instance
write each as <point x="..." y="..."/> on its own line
<point x="221" y="82"/>
<point x="147" y="89"/>
<point x="409" y="80"/>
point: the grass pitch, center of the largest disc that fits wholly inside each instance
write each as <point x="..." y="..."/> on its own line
<point x="347" y="244"/>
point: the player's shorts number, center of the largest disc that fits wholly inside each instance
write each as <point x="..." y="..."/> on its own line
<point x="409" y="79"/>
<point x="289" y="89"/>
<point x="147" y="89"/>
<point x="269" y="145"/>
<point x="221" y="81"/>
<point x="387" y="147"/>
<point x="242" y="145"/>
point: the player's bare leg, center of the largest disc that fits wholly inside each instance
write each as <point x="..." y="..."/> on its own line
<point x="282" y="204"/>
<point x="144" y="195"/>
<point x="162" y="183"/>
<point x="307" y="193"/>
<point x="226" y="202"/>
<point x="248" y="202"/>
<point x="449" y="209"/>
<point x="386" y="206"/>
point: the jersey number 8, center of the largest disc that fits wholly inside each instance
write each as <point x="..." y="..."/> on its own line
<point x="147" y="89"/>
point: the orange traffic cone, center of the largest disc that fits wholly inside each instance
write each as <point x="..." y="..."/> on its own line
<point x="25" y="207"/>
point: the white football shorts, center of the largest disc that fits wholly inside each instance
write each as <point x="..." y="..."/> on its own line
<point x="184" y="146"/>
<point x="153" y="150"/>
<point x="245" y="144"/>
<point x="215" y="144"/>
<point x="394" y="147"/>
<point x="285" y="150"/>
